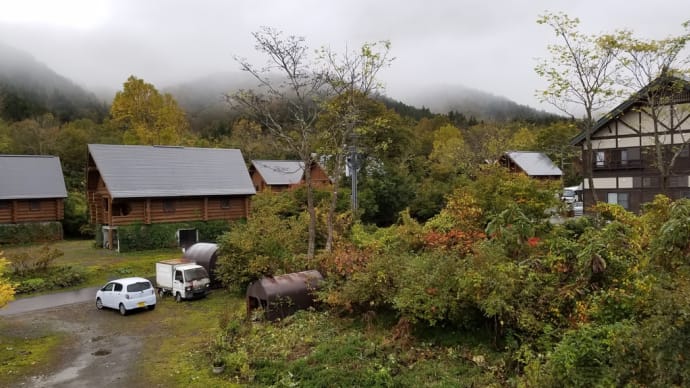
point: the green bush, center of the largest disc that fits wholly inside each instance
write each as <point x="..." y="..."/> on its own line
<point x="33" y="260"/>
<point x="76" y="219"/>
<point x="266" y="244"/>
<point x="52" y="278"/>
<point x="30" y="232"/>
<point x="140" y="237"/>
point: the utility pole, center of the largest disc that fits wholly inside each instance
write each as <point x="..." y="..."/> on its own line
<point x="353" y="164"/>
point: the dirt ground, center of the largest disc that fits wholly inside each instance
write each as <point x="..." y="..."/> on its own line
<point x="103" y="349"/>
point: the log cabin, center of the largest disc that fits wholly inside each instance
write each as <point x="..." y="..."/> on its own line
<point x="129" y="184"/>
<point x="32" y="189"/>
<point x="533" y="164"/>
<point x="282" y="175"/>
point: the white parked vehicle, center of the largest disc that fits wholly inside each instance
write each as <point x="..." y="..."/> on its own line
<point x="184" y="279"/>
<point x="126" y="294"/>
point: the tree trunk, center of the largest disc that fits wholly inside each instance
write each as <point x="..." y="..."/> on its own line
<point x="334" y="202"/>
<point x="310" y="209"/>
<point x="590" y="158"/>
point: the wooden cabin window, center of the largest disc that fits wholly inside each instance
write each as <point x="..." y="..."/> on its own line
<point x="4" y="205"/>
<point x="121" y="208"/>
<point x="169" y="206"/>
<point x="225" y="203"/>
<point x="35" y="205"/>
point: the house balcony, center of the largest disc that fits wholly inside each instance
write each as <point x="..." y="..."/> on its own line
<point x="618" y="165"/>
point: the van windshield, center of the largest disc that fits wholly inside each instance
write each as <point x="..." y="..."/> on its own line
<point x="195" y="274"/>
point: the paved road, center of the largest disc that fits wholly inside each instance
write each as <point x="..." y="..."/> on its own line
<point x="41" y="302"/>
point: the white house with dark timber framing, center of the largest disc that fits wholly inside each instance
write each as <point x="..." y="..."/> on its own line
<point x="624" y="156"/>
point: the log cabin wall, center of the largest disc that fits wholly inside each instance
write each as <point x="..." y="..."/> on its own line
<point x="257" y="180"/>
<point x="319" y="178"/>
<point x="38" y="210"/>
<point x="182" y="209"/>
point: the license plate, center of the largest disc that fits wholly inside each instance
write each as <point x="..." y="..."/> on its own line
<point x="141" y="304"/>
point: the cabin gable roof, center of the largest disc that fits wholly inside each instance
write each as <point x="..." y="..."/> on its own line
<point x="280" y="172"/>
<point x="534" y="163"/>
<point x="31" y="177"/>
<point x="134" y="171"/>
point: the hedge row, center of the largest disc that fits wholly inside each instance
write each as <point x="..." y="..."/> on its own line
<point x="140" y="237"/>
<point x="30" y="232"/>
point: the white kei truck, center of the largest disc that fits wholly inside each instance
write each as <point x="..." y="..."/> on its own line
<point x="182" y="278"/>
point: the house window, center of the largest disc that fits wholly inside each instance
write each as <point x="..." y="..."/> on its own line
<point x="678" y="181"/>
<point x="35" y="205"/>
<point x="684" y="152"/>
<point x="629" y="155"/>
<point x="4" y="205"/>
<point x="169" y="206"/>
<point x="624" y="157"/>
<point x="646" y="181"/>
<point x="619" y="199"/>
<point x="225" y="203"/>
<point x="121" y="209"/>
<point x="600" y="159"/>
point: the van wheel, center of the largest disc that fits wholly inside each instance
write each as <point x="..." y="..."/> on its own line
<point x="161" y="292"/>
<point x="178" y="297"/>
<point x="123" y="310"/>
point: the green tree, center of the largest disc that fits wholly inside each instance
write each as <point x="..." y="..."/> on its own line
<point x="580" y="74"/>
<point x="449" y="154"/>
<point x="146" y="116"/>
<point x="352" y="77"/>
<point x="71" y="146"/>
<point x="5" y="138"/>
<point x="554" y="140"/>
<point x="524" y="139"/>
<point x="34" y="136"/>
<point x="287" y="107"/>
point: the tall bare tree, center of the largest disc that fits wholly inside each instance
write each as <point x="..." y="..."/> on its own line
<point x="351" y="78"/>
<point x="654" y="75"/>
<point x="287" y="102"/>
<point x="581" y="76"/>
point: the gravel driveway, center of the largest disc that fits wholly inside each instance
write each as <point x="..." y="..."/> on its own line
<point x="103" y="350"/>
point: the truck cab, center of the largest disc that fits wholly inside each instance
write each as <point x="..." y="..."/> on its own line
<point x="182" y="278"/>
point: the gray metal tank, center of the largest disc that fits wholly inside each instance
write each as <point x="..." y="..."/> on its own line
<point x="204" y="254"/>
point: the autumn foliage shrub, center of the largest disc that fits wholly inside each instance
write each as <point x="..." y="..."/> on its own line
<point x="271" y="242"/>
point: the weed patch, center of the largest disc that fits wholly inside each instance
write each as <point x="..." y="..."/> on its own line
<point x="21" y="356"/>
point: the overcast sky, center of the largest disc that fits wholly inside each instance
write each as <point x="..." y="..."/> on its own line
<point x="490" y="45"/>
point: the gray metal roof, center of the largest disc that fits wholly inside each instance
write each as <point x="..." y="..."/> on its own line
<point x="132" y="171"/>
<point x="280" y="172"/>
<point x="534" y="163"/>
<point x="27" y="177"/>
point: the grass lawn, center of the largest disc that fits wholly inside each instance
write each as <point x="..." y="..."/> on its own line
<point x="99" y="265"/>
